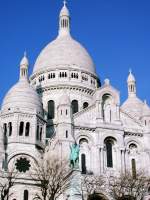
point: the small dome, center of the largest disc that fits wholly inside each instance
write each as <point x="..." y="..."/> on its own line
<point x="64" y="100"/>
<point x="64" y="52"/>
<point x="23" y="97"/>
<point x="131" y="77"/>
<point x="133" y="106"/>
<point x="24" y="61"/>
<point x="64" y="11"/>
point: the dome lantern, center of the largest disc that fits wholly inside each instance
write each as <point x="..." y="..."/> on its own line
<point x="24" y="68"/>
<point x="131" y="84"/>
<point x="64" y="21"/>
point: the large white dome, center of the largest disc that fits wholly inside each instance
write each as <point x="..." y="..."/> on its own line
<point x="64" y="52"/>
<point x="23" y="97"/>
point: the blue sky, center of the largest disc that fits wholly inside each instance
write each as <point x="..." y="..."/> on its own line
<point x="115" y="32"/>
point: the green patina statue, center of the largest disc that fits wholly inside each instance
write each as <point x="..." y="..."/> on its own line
<point x="74" y="155"/>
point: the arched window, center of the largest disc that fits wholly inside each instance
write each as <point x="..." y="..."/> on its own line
<point x="27" y="129"/>
<point x="51" y="109"/>
<point x="10" y="128"/>
<point x="74" y="105"/>
<point x="37" y="132"/>
<point x="21" y="128"/>
<point x="66" y="134"/>
<point x="149" y="190"/>
<point x="85" y="105"/>
<point x="83" y="163"/>
<point x="5" y="129"/>
<point x="133" y="163"/>
<point x="109" y="153"/>
<point x="41" y="130"/>
<point x="26" y="195"/>
<point x="83" y="141"/>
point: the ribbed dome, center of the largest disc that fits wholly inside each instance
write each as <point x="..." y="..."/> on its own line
<point x="23" y="97"/>
<point x="64" y="52"/>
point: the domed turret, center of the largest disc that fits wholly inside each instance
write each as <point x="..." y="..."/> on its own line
<point x="24" y="62"/>
<point x="25" y="123"/>
<point x="133" y="105"/>
<point x="131" y="85"/>
<point x="22" y="96"/>
<point x="131" y="77"/>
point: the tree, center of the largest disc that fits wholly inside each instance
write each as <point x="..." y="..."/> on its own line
<point x="91" y="186"/>
<point x="52" y="177"/>
<point x="128" y="187"/>
<point x="7" y="181"/>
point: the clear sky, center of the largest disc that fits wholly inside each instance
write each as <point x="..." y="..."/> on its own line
<point x="115" y="32"/>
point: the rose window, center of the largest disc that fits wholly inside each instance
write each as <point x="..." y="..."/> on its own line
<point x="22" y="165"/>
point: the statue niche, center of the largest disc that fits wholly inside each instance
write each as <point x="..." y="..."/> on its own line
<point x="107" y="108"/>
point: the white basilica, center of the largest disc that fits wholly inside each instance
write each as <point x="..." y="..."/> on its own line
<point x="63" y="101"/>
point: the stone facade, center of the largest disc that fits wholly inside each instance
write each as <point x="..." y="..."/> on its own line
<point x="64" y="102"/>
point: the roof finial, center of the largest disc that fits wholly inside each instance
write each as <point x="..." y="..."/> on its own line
<point x="25" y="53"/>
<point x="65" y="2"/>
<point x="130" y="71"/>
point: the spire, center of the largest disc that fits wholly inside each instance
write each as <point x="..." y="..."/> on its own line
<point x="131" y="84"/>
<point x="24" y="67"/>
<point x="64" y="20"/>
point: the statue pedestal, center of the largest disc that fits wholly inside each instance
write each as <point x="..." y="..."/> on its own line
<point x="74" y="192"/>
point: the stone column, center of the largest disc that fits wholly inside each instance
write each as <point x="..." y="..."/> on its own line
<point x="122" y="153"/>
<point x="101" y="159"/>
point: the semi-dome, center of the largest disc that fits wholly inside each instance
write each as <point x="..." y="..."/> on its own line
<point x="64" y="51"/>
